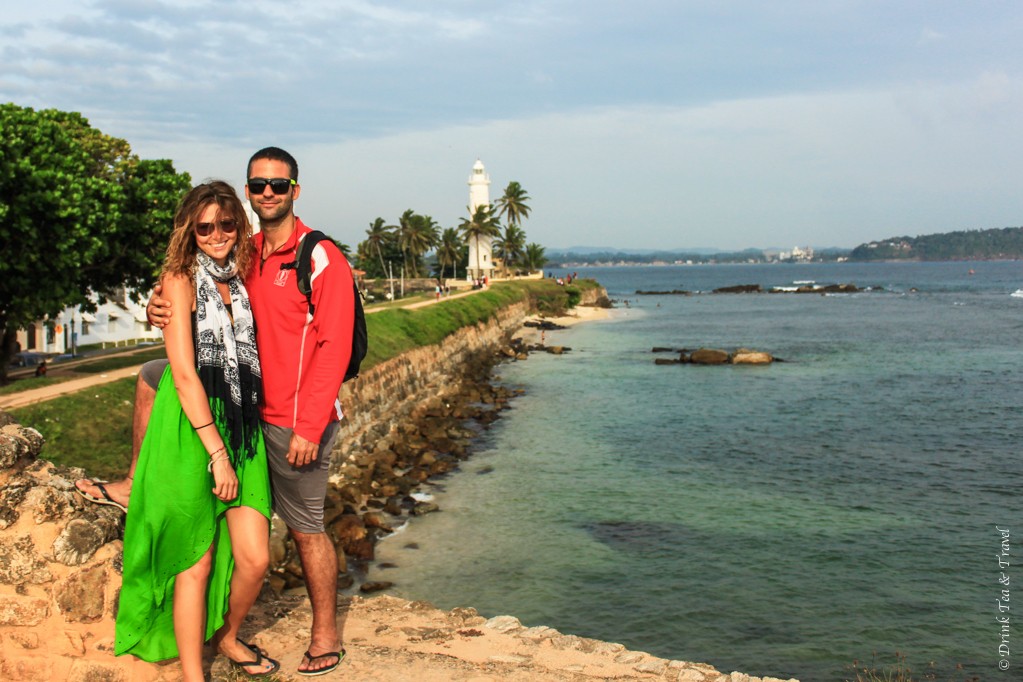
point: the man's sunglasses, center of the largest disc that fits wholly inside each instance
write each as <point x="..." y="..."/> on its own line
<point x="227" y="226"/>
<point x="277" y="185"/>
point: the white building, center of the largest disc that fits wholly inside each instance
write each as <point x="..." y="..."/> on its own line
<point x="481" y="252"/>
<point x="114" y="323"/>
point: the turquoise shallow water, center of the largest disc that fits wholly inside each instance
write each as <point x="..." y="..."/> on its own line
<point x="780" y="520"/>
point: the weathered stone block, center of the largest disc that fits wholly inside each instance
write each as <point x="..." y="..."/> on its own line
<point x="78" y="542"/>
<point x="22" y="611"/>
<point x="20" y="563"/>
<point x="80" y="597"/>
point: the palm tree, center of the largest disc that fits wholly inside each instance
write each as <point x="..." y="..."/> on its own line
<point x="404" y="225"/>
<point x="511" y="245"/>
<point x="535" y="258"/>
<point x="419" y="236"/>
<point x="377" y="236"/>
<point x="512" y="206"/>
<point x="449" y="250"/>
<point x="481" y="223"/>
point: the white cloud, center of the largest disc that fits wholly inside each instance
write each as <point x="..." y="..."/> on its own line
<point x="653" y="123"/>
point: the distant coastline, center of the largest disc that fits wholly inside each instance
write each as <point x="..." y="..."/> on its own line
<point x="970" y="245"/>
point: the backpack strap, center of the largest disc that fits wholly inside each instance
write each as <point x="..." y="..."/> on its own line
<point x="303" y="264"/>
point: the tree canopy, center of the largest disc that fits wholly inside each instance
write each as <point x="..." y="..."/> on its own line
<point x="79" y="212"/>
<point x="1006" y="242"/>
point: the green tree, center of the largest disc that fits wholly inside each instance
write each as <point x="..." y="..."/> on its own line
<point x="481" y="224"/>
<point x="420" y="236"/>
<point x="377" y="237"/>
<point x="512" y="205"/>
<point x="510" y="246"/>
<point x="403" y="227"/>
<point x="79" y="212"/>
<point x="449" y="251"/>
<point x="534" y="258"/>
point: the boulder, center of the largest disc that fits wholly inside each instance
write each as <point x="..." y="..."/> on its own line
<point x="749" y="357"/>
<point x="708" y="356"/>
<point x="740" y="289"/>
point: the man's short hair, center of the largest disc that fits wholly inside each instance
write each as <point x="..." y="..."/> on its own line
<point x="274" y="154"/>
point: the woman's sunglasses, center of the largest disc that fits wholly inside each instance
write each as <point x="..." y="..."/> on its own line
<point x="227" y="226"/>
<point x="277" y="185"/>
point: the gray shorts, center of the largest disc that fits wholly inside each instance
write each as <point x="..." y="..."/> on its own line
<point x="152" y="371"/>
<point x="298" y="494"/>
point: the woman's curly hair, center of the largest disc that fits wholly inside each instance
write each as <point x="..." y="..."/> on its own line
<point x="182" y="249"/>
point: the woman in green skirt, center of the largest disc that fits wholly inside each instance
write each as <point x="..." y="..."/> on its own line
<point x="196" y="543"/>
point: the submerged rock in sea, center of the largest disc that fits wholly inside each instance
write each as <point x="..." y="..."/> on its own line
<point x="715" y="356"/>
<point x="740" y="289"/>
<point x="709" y="356"/>
<point x="751" y="357"/>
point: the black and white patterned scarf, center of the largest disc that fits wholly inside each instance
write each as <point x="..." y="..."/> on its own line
<point x="226" y="357"/>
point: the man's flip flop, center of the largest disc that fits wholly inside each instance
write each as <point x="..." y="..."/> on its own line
<point x="106" y="499"/>
<point x="323" y="671"/>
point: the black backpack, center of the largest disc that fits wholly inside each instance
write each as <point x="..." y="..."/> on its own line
<point x="304" y="265"/>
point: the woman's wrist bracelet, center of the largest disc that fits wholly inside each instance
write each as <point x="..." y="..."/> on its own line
<point x="196" y="428"/>
<point x="209" y="467"/>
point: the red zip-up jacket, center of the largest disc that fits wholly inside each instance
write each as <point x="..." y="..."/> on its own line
<point x="303" y="357"/>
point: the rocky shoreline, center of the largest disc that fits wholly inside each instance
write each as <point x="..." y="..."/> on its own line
<point x="60" y="566"/>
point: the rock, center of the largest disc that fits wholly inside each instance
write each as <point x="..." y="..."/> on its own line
<point x="654" y="666"/>
<point x="503" y="624"/>
<point x="16" y="442"/>
<point x="80" y="598"/>
<point x="740" y="289"/>
<point x="376" y="520"/>
<point x="375" y="586"/>
<point x="666" y="361"/>
<point x="23" y="611"/>
<point x="423" y="508"/>
<point x="20" y="563"/>
<point x="708" y="356"/>
<point x="79" y="540"/>
<point x="751" y="358"/>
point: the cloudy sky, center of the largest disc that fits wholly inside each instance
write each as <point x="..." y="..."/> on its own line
<point x="644" y="124"/>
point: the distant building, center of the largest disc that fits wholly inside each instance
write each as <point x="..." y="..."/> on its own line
<point x="114" y="323"/>
<point x="481" y="254"/>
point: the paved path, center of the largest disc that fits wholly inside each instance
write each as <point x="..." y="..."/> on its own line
<point x="38" y="395"/>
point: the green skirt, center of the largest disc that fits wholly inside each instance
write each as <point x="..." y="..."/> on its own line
<point x="173" y="519"/>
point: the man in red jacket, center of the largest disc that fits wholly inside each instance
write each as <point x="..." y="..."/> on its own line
<point x="303" y="358"/>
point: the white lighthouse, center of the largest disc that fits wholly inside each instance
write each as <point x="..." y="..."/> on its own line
<point x="481" y="256"/>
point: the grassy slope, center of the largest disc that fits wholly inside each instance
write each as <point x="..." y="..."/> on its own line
<point x="92" y="428"/>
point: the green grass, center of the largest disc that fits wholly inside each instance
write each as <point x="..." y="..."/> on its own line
<point x="92" y="428"/>
<point x="118" y="361"/>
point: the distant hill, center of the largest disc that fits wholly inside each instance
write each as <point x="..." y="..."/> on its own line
<point x="995" y="244"/>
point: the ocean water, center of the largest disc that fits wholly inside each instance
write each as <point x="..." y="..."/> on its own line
<point x="782" y="520"/>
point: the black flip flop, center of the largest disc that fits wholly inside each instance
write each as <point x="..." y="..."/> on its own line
<point x="323" y="671"/>
<point x="106" y="499"/>
<point x="242" y="665"/>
